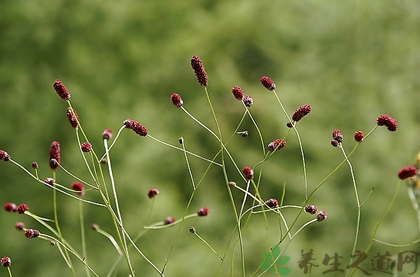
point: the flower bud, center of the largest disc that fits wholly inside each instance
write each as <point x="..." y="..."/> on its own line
<point x="407" y="172"/>
<point x="248" y="172"/>
<point x="6" y="262"/>
<point x="61" y="90"/>
<point x="203" y="212"/>
<point x="152" y="192"/>
<point x="268" y="83"/>
<point x="176" y="100"/>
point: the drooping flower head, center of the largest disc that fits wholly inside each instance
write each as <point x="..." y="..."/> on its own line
<point x="272" y="203"/>
<point x="203" y="212"/>
<point x="4" y="156"/>
<point x="177" y="100"/>
<point x="311" y="209"/>
<point x="10" y="207"/>
<point x="268" y="83"/>
<point x="55" y="155"/>
<point x="199" y="71"/>
<point x="31" y="233"/>
<point x="276" y="145"/>
<point x="78" y="187"/>
<point x="19" y="226"/>
<point x="169" y="220"/>
<point x="61" y="90"/>
<point x="73" y="117"/>
<point x="238" y="93"/>
<point x="388" y="121"/>
<point x="301" y="112"/>
<point x="334" y="143"/>
<point x="322" y="215"/>
<point x="407" y="172"/>
<point x="49" y="181"/>
<point x="136" y="127"/>
<point x="152" y="193"/>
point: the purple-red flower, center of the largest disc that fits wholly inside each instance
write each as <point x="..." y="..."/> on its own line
<point x="55" y="155"/>
<point x="238" y="93"/>
<point x="197" y="66"/>
<point x="10" y="207"/>
<point x="20" y="226"/>
<point x="337" y="135"/>
<point x="248" y="172"/>
<point x="86" y="147"/>
<point x="31" y="233"/>
<point x="49" y="181"/>
<point x="95" y="227"/>
<point x="301" y="112"/>
<point x="73" y="117"/>
<point x="248" y="101"/>
<point x="61" y="90"/>
<point x="107" y="134"/>
<point x="268" y="83"/>
<point x="311" y="209"/>
<point x="334" y="143"/>
<point x="22" y="208"/>
<point x="276" y="145"/>
<point x="272" y="203"/>
<point x="152" y="192"/>
<point x="169" y="220"/>
<point x="177" y="100"/>
<point x="6" y="262"/>
<point x="407" y="172"/>
<point x="322" y="215"/>
<point x="136" y="127"/>
<point x="388" y="121"/>
<point x="203" y="212"/>
<point x="358" y="136"/>
<point x="78" y="187"/>
<point x="4" y="156"/>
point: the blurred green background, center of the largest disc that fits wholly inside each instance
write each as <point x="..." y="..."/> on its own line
<point x="351" y="60"/>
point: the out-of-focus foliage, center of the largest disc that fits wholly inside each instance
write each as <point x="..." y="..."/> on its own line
<point x="351" y="60"/>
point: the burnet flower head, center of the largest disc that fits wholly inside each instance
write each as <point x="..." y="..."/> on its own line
<point x="200" y="72"/>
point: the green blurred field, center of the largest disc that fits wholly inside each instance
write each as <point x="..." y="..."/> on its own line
<point x="352" y="61"/>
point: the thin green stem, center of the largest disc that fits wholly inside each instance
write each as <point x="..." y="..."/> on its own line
<point x="57" y="225"/>
<point x="356" y="239"/>
<point x="83" y="235"/>
<point x="227" y="180"/>
<point x="114" y="191"/>
<point x="50" y="238"/>
<point x="397" y="188"/>
<point x="208" y="245"/>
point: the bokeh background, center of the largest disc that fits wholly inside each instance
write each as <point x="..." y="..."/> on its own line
<point x="352" y="61"/>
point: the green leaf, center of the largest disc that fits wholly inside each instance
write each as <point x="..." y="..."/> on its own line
<point x="283" y="260"/>
<point x="276" y="251"/>
<point x="265" y="265"/>
<point x="283" y="271"/>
